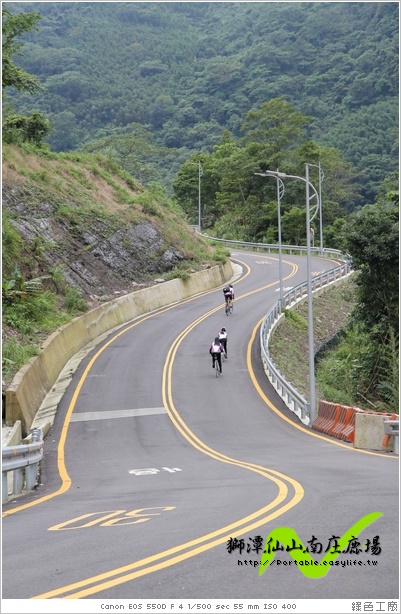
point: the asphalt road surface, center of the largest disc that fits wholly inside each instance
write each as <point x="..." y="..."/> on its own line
<point x="154" y="469"/>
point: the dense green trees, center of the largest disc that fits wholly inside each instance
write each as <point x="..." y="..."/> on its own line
<point x="276" y="125"/>
<point x="373" y="241"/>
<point x="366" y="361"/>
<point x="238" y="204"/>
<point x="17" y="127"/>
<point x="271" y="85"/>
<point x="188" y="71"/>
<point x="13" y="26"/>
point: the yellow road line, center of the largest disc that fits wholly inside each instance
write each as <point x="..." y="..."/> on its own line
<point x="293" y="424"/>
<point x="262" y="516"/>
<point x="208" y="541"/>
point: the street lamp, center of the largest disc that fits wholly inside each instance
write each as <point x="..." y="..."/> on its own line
<point x="200" y="173"/>
<point x="311" y="212"/>
<point x="280" y="194"/>
<point x="321" y="177"/>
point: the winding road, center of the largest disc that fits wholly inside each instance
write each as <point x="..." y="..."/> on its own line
<point x="154" y="469"/>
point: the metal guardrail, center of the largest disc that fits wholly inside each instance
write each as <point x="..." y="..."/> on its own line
<point x="291" y="397"/>
<point x="23" y="461"/>
<point x="392" y="427"/>
<point x="288" y="249"/>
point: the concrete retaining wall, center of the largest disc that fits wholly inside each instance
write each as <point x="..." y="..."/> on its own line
<point x="33" y="382"/>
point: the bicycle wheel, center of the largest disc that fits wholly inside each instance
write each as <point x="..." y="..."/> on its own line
<point x="217" y="368"/>
<point x="231" y="309"/>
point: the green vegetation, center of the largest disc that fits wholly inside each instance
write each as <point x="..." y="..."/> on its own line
<point x="30" y="313"/>
<point x="18" y="128"/>
<point x="243" y="206"/>
<point x="178" y="273"/>
<point x="152" y="83"/>
<point x="83" y="195"/>
<point x="289" y="343"/>
<point x="372" y="237"/>
<point x="14" y="26"/>
<point x="363" y="369"/>
<point x="137" y="95"/>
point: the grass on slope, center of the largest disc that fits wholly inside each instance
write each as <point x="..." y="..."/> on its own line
<point x="288" y="345"/>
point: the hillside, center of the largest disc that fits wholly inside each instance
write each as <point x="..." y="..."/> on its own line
<point x="94" y="233"/>
<point x="181" y="73"/>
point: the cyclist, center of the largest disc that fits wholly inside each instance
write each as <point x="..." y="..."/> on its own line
<point x="215" y="350"/>
<point x="223" y="340"/>
<point x="228" y="292"/>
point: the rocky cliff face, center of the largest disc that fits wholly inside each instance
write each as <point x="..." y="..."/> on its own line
<point x="92" y="230"/>
<point x="101" y="232"/>
<point x="98" y="258"/>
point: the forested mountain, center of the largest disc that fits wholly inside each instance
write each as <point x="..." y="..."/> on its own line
<point x="198" y="95"/>
<point x="176" y="75"/>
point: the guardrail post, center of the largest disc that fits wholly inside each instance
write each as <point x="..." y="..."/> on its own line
<point x="18" y="480"/>
<point x="36" y="434"/>
<point x="30" y="476"/>
<point x="4" y="485"/>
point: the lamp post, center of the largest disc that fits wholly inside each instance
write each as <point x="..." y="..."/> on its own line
<point x="280" y="194"/>
<point x="200" y="173"/>
<point x="321" y="177"/>
<point x="310" y="215"/>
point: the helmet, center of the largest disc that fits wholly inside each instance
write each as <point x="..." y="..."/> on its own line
<point x="223" y="330"/>
<point x="216" y="340"/>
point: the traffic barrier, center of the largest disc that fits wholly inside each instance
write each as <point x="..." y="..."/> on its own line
<point x="370" y="426"/>
<point x="334" y="420"/>
<point x="339" y="421"/>
<point x="348" y="432"/>
<point x="324" y="417"/>
<point x="343" y="421"/>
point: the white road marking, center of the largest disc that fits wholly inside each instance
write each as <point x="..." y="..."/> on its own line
<point x="117" y="413"/>
<point x="152" y="470"/>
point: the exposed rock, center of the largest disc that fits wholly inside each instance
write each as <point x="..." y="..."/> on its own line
<point x="100" y="259"/>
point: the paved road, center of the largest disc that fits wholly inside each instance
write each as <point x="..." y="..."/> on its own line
<point x="153" y="465"/>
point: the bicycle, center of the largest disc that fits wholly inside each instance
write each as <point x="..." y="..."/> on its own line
<point x="224" y="353"/>
<point x="229" y="307"/>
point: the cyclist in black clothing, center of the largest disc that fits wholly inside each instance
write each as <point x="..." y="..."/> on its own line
<point x="216" y="350"/>
<point x="223" y="340"/>
<point x="228" y="292"/>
